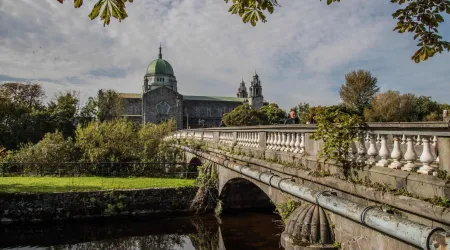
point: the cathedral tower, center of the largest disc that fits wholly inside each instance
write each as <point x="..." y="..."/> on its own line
<point x="242" y="91"/>
<point x="256" y="98"/>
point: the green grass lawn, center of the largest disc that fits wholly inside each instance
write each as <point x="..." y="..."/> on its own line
<point x="63" y="184"/>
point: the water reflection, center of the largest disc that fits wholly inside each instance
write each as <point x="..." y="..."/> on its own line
<point x="238" y="231"/>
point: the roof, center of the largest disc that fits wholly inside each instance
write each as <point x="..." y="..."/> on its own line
<point x="213" y="98"/>
<point x="160" y="66"/>
<point x="129" y="95"/>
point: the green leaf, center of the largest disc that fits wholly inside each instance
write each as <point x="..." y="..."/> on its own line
<point x="78" y="3"/>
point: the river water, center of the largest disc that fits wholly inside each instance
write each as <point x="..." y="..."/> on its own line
<point x="244" y="230"/>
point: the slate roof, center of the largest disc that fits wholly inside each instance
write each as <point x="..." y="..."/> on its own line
<point x="130" y="95"/>
<point x="212" y="98"/>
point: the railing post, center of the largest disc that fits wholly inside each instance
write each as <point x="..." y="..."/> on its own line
<point x="262" y="140"/>
<point x="444" y="153"/>
<point x="234" y="137"/>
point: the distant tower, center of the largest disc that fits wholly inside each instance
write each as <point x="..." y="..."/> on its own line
<point x="256" y="98"/>
<point x="242" y="91"/>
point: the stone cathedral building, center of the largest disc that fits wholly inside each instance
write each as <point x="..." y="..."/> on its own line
<point x="160" y="100"/>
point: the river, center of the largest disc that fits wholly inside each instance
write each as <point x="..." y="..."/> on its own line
<point x="243" y="230"/>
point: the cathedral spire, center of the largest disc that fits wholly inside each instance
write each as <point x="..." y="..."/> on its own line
<point x="160" y="54"/>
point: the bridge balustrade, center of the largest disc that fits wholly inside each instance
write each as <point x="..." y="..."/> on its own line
<point x="423" y="147"/>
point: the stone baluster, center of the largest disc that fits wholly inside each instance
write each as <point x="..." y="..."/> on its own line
<point x="403" y="139"/>
<point x="250" y="139"/>
<point x="361" y="148"/>
<point x="410" y="154"/>
<point x="378" y="139"/>
<point x="292" y="145"/>
<point x="297" y="143"/>
<point x="287" y="142"/>
<point x="396" y="153"/>
<point x="247" y="139"/>
<point x="433" y="146"/>
<point x="269" y="138"/>
<point x="418" y="140"/>
<point x="254" y="140"/>
<point x="384" y="153"/>
<point x="426" y="157"/>
<point x="283" y="141"/>
<point x="302" y="143"/>
<point x="372" y="152"/>
<point x="240" y="139"/>
<point x="277" y="141"/>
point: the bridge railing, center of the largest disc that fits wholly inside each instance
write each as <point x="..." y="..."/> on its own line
<point x="423" y="147"/>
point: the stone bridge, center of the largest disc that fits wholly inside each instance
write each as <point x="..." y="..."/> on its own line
<point x="399" y="201"/>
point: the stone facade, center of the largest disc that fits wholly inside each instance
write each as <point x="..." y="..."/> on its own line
<point x="161" y="100"/>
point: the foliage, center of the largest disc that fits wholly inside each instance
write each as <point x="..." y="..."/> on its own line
<point x="338" y="130"/>
<point x="286" y="208"/>
<point x="65" y="184"/>
<point x="63" y="111"/>
<point x="243" y="115"/>
<point x="359" y="88"/>
<point x="391" y="106"/>
<point x="419" y="17"/>
<point x="51" y="151"/>
<point x="302" y="112"/>
<point x="107" y="105"/>
<point x="208" y="184"/>
<point x="109" y="141"/>
<point x="271" y="114"/>
<point x="23" y="117"/>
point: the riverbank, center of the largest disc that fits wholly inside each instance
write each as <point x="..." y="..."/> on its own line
<point x="76" y="184"/>
<point x="93" y="204"/>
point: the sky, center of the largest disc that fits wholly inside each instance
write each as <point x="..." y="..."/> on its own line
<point x="301" y="54"/>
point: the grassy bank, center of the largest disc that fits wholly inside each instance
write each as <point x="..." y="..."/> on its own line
<point x="65" y="184"/>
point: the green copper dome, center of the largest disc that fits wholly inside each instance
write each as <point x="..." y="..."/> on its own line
<point x="160" y="66"/>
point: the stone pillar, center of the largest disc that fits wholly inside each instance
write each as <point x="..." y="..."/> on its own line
<point x="445" y="116"/>
<point x="262" y="140"/>
<point x="444" y="153"/>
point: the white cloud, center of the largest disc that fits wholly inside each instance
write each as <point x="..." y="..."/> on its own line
<point x="301" y="54"/>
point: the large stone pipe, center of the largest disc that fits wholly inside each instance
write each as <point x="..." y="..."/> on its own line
<point x="416" y="234"/>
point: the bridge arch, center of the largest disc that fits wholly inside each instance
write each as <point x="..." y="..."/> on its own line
<point x="193" y="164"/>
<point x="240" y="193"/>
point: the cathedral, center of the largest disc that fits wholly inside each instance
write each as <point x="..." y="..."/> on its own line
<point x="161" y="101"/>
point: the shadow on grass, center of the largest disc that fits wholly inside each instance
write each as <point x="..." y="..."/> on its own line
<point x="26" y="188"/>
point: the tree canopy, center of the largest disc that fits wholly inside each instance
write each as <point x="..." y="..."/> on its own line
<point x="359" y="88"/>
<point x="422" y="18"/>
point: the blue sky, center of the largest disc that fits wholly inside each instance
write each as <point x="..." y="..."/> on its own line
<point x="301" y="54"/>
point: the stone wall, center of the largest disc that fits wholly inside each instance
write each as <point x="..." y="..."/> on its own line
<point x="74" y="205"/>
<point x="210" y="111"/>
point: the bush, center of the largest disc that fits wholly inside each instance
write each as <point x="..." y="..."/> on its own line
<point x="46" y="156"/>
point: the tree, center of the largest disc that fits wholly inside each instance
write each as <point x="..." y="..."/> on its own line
<point x="45" y="156"/>
<point x="23" y="117"/>
<point x="302" y="110"/>
<point x="63" y="110"/>
<point x="272" y="114"/>
<point x="243" y="115"/>
<point x="359" y="88"/>
<point x="391" y="106"/>
<point x="419" y="17"/>
<point x="425" y="109"/>
<point x="106" y="105"/>
<point x="109" y="141"/>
